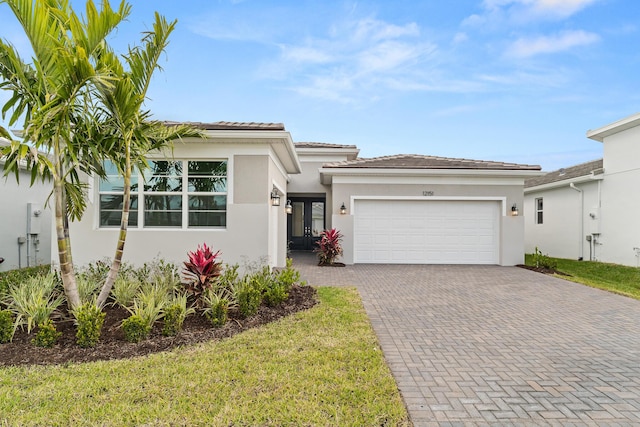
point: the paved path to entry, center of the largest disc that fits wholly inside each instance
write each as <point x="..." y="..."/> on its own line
<point x="488" y="345"/>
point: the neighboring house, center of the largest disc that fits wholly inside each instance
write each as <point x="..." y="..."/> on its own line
<point x="234" y="188"/>
<point x="25" y="221"/>
<point x="590" y="211"/>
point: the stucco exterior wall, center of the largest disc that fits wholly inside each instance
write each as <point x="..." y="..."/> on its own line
<point x="507" y="190"/>
<point x="13" y="223"/>
<point x="252" y="223"/>
<point x="620" y="212"/>
<point x="566" y="220"/>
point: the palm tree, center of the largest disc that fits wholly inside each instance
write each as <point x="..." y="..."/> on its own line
<point x="53" y="97"/>
<point x="129" y="124"/>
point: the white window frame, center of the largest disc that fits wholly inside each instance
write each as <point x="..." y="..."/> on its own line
<point x="184" y="193"/>
<point x="539" y="210"/>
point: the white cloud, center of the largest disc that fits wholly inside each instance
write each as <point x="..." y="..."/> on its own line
<point x="356" y="59"/>
<point x="528" y="47"/>
<point x="517" y="12"/>
<point x="369" y="29"/>
<point x="305" y="54"/>
<point x="560" y="8"/>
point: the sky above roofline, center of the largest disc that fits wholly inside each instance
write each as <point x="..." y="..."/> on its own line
<point x="508" y="80"/>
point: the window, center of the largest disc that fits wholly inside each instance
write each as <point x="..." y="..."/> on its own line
<point x="170" y="198"/>
<point x="111" y="198"/>
<point x="539" y="211"/>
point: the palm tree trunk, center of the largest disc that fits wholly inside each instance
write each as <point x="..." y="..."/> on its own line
<point x="124" y="222"/>
<point x="66" y="266"/>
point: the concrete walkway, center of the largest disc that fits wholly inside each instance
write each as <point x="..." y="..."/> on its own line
<point x="488" y="345"/>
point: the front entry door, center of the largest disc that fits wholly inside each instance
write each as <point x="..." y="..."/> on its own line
<point x="305" y="223"/>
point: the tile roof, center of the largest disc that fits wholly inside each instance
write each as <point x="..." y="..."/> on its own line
<point x="583" y="169"/>
<point x="322" y="145"/>
<point x="414" y="161"/>
<point x="230" y="125"/>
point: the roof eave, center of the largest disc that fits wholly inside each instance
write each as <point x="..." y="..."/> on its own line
<point x="611" y="129"/>
<point x="280" y="141"/>
<point x="327" y="173"/>
<point x="564" y="183"/>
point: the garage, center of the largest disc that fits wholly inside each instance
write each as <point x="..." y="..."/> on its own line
<point x="426" y="231"/>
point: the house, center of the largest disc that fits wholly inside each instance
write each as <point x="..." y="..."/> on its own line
<point x="25" y="221"/>
<point x="251" y="192"/>
<point x="590" y="211"/>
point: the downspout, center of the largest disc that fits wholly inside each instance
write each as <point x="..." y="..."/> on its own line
<point x="579" y="190"/>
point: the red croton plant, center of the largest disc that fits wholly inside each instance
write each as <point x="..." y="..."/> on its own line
<point x="329" y="247"/>
<point x="201" y="271"/>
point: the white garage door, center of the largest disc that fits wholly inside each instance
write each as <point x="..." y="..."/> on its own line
<point x="426" y="232"/>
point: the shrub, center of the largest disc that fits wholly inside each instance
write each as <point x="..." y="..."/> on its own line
<point x="217" y="308"/>
<point x="89" y="321"/>
<point x="288" y="275"/>
<point x="135" y="328"/>
<point x="544" y="261"/>
<point x="46" y="335"/>
<point x="275" y="294"/>
<point x="165" y="274"/>
<point x="35" y="300"/>
<point x="6" y="326"/>
<point x="175" y="314"/>
<point x="248" y="296"/>
<point x="201" y="271"/>
<point x="329" y="247"/>
<point x="229" y="277"/>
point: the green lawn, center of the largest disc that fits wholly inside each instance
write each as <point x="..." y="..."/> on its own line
<point x="319" y="367"/>
<point x="611" y="277"/>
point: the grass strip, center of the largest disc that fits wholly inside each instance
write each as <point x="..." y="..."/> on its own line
<point x="319" y="367"/>
<point x="615" y="278"/>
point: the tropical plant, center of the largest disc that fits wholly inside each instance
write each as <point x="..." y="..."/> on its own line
<point x="201" y="271"/>
<point x="34" y="300"/>
<point x="125" y="290"/>
<point x="52" y="95"/>
<point x="329" y="247"/>
<point x="216" y="306"/>
<point x="148" y="307"/>
<point x="87" y="288"/>
<point x="89" y="320"/>
<point x="7" y="278"/>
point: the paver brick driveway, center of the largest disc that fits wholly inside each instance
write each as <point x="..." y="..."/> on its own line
<point x="488" y="345"/>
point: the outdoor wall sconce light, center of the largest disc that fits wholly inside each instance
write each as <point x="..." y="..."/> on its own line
<point x="275" y="197"/>
<point x="343" y="209"/>
<point x="514" y="210"/>
<point x="288" y="208"/>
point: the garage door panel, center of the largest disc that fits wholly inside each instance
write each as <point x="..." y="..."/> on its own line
<point x="424" y="232"/>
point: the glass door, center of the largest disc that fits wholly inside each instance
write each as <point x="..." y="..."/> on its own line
<point x="306" y="223"/>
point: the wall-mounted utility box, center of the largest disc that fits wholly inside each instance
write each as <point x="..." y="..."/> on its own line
<point x="34" y="215"/>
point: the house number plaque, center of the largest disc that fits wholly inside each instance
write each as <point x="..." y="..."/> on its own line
<point x="427" y="193"/>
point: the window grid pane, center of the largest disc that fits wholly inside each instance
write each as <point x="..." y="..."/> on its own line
<point x="203" y="189"/>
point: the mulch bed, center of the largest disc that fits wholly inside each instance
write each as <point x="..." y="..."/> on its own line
<point x="543" y="270"/>
<point x="112" y="344"/>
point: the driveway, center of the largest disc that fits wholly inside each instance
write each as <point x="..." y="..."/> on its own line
<point x="478" y="345"/>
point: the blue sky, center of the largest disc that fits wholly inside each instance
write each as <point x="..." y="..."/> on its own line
<point x="508" y="80"/>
